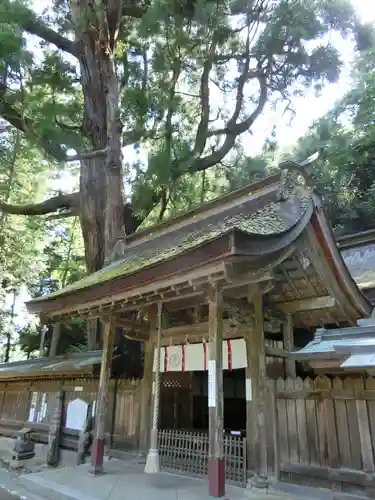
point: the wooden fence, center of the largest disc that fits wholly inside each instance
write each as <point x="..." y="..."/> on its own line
<point x="186" y="452"/>
<point x="321" y="432"/>
<point x="30" y="405"/>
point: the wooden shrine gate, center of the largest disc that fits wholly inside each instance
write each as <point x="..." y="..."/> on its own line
<point x="186" y="452"/>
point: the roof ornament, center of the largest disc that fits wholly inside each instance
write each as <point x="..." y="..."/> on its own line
<point x="292" y="173"/>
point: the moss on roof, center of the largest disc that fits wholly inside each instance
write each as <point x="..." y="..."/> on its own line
<point x="271" y="219"/>
<point x="46" y="366"/>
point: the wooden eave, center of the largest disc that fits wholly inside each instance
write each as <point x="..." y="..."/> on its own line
<point x="356" y="240"/>
<point x="309" y="286"/>
<point x="184" y="276"/>
<point x="180" y="274"/>
<point x="188" y="273"/>
<point x="168" y="280"/>
<point x="352" y="300"/>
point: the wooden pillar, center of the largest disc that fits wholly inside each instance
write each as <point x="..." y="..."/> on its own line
<point x="55" y="339"/>
<point x="97" y="454"/>
<point x="54" y="435"/>
<point x="146" y="402"/>
<point x="191" y="396"/>
<point x="153" y="462"/>
<point x="216" y="465"/>
<point x="110" y="419"/>
<point x="256" y="391"/>
<point x="288" y="334"/>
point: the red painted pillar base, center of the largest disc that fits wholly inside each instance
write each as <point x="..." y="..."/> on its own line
<point x="216" y="477"/>
<point x="97" y="456"/>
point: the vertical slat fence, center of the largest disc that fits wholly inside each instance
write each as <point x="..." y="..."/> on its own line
<point x="324" y="432"/>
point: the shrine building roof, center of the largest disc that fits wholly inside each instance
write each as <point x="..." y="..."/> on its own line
<point x="341" y="349"/>
<point x="81" y="364"/>
<point x="246" y="232"/>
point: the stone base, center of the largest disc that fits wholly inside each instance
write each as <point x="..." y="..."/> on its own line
<point x="96" y="470"/>
<point x="152" y="462"/>
<point x="260" y="482"/>
<point x="216" y="477"/>
<point x="17" y="464"/>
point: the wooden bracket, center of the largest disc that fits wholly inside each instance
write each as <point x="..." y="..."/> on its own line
<point x="312" y="304"/>
<point x="261" y="288"/>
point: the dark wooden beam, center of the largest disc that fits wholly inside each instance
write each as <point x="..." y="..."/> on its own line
<point x="303" y="305"/>
<point x="256" y="390"/>
<point x="276" y="352"/>
<point x="216" y="461"/>
<point x="132" y="324"/>
<point x="97" y="454"/>
<point x="288" y="334"/>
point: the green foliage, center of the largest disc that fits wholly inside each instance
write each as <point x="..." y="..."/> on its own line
<point x="35" y="253"/>
<point x="345" y="173"/>
<point x="161" y="61"/>
<point x="72" y="336"/>
<point x="22" y="179"/>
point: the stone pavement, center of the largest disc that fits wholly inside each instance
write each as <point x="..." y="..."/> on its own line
<point x="6" y="495"/>
<point x="123" y="480"/>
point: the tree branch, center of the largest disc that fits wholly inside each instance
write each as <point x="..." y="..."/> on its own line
<point x="132" y="8"/>
<point x="63" y="215"/>
<point x="88" y="155"/>
<point x="69" y="202"/>
<point x="133" y="136"/>
<point x="232" y="133"/>
<point x="69" y="128"/>
<point x="36" y="26"/>
<point x="24" y="124"/>
<point x="232" y="129"/>
<point x="204" y="94"/>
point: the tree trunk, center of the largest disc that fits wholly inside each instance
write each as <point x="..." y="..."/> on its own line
<point x="9" y="333"/>
<point x="101" y="178"/>
<point x="92" y="191"/>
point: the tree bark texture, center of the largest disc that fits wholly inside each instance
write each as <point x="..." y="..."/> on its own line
<point x="101" y="177"/>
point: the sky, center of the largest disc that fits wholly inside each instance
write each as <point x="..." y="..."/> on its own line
<point x="309" y="107"/>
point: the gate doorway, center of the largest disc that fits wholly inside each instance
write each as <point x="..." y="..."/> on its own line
<point x="183" y="434"/>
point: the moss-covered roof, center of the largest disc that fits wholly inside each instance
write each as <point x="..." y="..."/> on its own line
<point x="79" y="362"/>
<point x="269" y="218"/>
